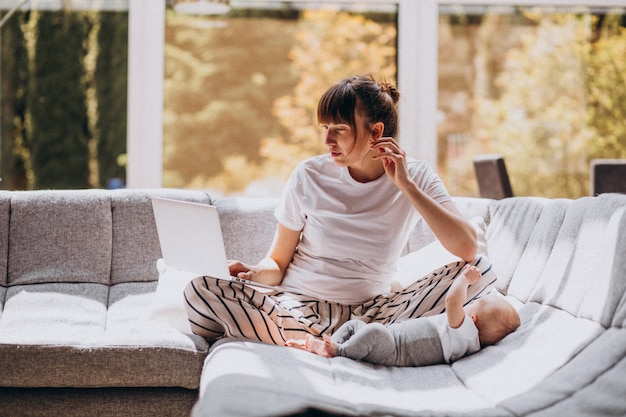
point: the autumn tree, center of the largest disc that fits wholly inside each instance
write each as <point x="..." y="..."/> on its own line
<point x="561" y="102"/>
<point x="329" y="45"/>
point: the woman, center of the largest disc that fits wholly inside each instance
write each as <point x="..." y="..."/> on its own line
<point x="343" y="220"/>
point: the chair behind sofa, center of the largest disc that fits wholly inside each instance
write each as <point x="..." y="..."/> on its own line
<point x="492" y="177"/>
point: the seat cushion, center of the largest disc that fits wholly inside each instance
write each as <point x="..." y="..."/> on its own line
<point x="284" y="381"/>
<point x="92" y="335"/>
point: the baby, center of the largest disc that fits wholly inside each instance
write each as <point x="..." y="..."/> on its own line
<point x="443" y="338"/>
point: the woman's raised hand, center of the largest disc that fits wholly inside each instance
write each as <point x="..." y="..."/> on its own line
<point x="393" y="157"/>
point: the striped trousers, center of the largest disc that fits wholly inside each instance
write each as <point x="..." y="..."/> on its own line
<point x="219" y="308"/>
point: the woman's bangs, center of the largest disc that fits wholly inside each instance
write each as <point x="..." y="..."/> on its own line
<point x="336" y="106"/>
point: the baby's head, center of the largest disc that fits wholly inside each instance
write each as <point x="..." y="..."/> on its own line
<point x="495" y="318"/>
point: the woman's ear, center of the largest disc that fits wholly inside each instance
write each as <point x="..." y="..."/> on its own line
<point x="377" y="130"/>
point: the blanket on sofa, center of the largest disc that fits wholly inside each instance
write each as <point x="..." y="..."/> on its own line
<point x="562" y="264"/>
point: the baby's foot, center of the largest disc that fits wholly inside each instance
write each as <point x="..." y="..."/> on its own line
<point x="320" y="347"/>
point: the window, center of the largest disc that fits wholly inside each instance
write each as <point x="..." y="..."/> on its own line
<point x="241" y="88"/>
<point x="63" y="88"/>
<point x="542" y="86"/>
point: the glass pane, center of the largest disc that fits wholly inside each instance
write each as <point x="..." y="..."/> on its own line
<point x="544" y="87"/>
<point x="241" y="89"/>
<point x="63" y="89"/>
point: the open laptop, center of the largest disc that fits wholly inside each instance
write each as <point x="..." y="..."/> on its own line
<point x="191" y="239"/>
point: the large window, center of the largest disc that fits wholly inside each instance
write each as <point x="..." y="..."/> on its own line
<point x="143" y="93"/>
<point x="544" y="86"/>
<point x="63" y="90"/>
<point x="241" y="88"/>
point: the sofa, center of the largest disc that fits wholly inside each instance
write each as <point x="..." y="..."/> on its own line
<point x="561" y="263"/>
<point x="92" y="322"/>
<point x="78" y="272"/>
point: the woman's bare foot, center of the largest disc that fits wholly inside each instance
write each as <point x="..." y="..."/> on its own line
<point x="298" y="344"/>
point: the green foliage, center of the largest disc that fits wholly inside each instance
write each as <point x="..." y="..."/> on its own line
<point x="59" y="134"/>
<point x="606" y="95"/>
<point x="561" y="103"/>
<point x="110" y="81"/>
<point x="14" y="79"/>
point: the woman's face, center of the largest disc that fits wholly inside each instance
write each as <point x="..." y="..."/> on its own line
<point x="347" y="146"/>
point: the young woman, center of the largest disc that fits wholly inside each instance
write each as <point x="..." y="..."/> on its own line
<point x="343" y="220"/>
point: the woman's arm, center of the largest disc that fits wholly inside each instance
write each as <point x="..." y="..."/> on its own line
<point x="447" y="223"/>
<point x="271" y="269"/>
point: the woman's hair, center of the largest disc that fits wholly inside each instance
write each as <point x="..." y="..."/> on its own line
<point x="375" y="101"/>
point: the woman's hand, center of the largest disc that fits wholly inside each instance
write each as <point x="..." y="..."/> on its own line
<point x="393" y="157"/>
<point x="240" y="270"/>
<point x="271" y="269"/>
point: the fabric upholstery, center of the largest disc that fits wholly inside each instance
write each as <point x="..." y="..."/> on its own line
<point x="81" y="276"/>
<point x="244" y="221"/>
<point x="90" y="335"/>
<point x="59" y="236"/>
<point x="560" y="262"/>
<point x="118" y="402"/>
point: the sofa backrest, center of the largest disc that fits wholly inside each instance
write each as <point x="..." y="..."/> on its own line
<point x="570" y="254"/>
<point x="248" y="226"/>
<point x="95" y="236"/>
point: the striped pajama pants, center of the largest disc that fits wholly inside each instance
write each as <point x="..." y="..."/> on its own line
<point x="219" y="308"/>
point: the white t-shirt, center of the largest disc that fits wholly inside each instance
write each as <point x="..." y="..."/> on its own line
<point x="459" y="342"/>
<point x="352" y="232"/>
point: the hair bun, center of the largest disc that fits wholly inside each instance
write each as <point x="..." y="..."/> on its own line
<point x="390" y="89"/>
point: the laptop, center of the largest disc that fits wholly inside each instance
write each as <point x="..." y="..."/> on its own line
<point x="191" y="239"/>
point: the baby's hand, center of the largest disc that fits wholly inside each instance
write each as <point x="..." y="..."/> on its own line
<point x="472" y="274"/>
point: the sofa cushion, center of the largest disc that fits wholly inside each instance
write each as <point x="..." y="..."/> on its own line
<point x="60" y="312"/>
<point x="511" y="222"/>
<point x="92" y="335"/>
<point x="471" y="207"/>
<point x="591" y="384"/>
<point x="283" y="381"/>
<point x="60" y="236"/>
<point x="168" y="303"/>
<point x="246" y="220"/>
<point x="547" y="339"/>
<point x="572" y="243"/>
<point x="415" y="265"/>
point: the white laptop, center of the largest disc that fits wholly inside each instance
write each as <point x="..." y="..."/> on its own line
<point x="191" y="239"/>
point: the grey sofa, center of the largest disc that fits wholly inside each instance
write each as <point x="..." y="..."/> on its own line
<point x="562" y="263"/>
<point x="78" y="277"/>
<point x="77" y="273"/>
